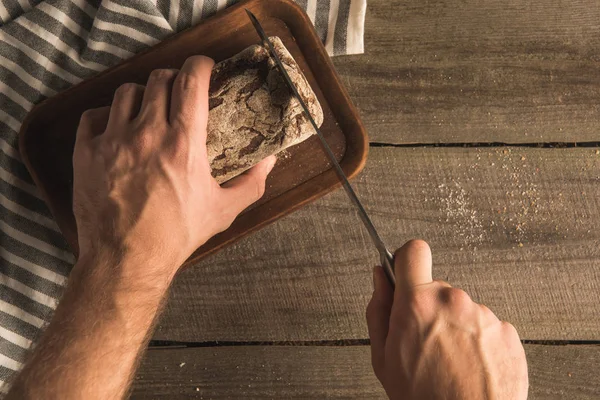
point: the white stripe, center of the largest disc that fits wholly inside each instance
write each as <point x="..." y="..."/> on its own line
<point x="197" y="11"/>
<point x="33" y="268"/>
<point x="15" y="338"/>
<point x="14" y="96"/>
<point x="334" y="6"/>
<point x="4" y="15"/>
<point x="26" y="77"/>
<point x="25" y="5"/>
<point x="38" y="58"/>
<point x="28" y="291"/>
<point x="9" y="150"/>
<point x="21" y="314"/>
<point x="132" y="12"/>
<point x="85" y="7"/>
<point x="221" y="4"/>
<point x="37" y="243"/>
<point x="126" y="31"/>
<point x="10" y="363"/>
<point x="58" y="44"/>
<point x="311" y="10"/>
<point x="4" y="387"/>
<point x="26" y="213"/>
<point x="78" y="30"/>
<point x="356" y="26"/>
<point x="17" y="182"/>
<point x="174" y="13"/>
<point x="9" y="120"/>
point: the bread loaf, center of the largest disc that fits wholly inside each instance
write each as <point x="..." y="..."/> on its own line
<point x="252" y="112"/>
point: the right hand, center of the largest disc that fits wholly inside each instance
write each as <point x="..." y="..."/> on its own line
<point x="431" y="341"/>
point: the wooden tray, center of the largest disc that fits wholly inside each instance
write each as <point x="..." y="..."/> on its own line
<point x="48" y="134"/>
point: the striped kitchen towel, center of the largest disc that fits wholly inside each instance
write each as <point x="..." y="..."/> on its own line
<point x="45" y="47"/>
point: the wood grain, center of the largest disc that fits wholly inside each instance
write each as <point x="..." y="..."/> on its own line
<point x="515" y="227"/>
<point x="318" y="372"/>
<point x="445" y="71"/>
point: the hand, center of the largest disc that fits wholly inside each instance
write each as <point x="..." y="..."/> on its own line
<point x="142" y="187"/>
<point x="431" y="341"/>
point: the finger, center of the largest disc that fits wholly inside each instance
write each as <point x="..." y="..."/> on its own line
<point x="378" y="318"/>
<point x="92" y="123"/>
<point x="242" y="191"/>
<point x="157" y="95"/>
<point x="413" y="264"/>
<point x="126" y="104"/>
<point x="189" y="99"/>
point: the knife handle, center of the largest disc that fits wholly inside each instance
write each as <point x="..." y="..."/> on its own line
<point x="387" y="263"/>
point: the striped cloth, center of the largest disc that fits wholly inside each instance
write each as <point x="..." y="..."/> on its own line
<point x="45" y="47"/>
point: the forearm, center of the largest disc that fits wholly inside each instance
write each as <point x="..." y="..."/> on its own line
<point x="91" y="347"/>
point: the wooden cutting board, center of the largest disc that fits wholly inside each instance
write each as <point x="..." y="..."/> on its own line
<point x="302" y="175"/>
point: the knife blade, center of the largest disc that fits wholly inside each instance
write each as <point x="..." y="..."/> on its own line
<point x="386" y="258"/>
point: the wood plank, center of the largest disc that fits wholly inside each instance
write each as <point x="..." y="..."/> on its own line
<point x="515" y="227"/>
<point x="318" y="372"/>
<point x="473" y="71"/>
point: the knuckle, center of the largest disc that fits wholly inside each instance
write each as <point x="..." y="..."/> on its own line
<point x="456" y="298"/>
<point x="162" y="74"/>
<point x="510" y="330"/>
<point x="185" y="81"/>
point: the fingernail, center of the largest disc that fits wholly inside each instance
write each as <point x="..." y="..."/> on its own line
<point x="271" y="164"/>
<point x="375" y="280"/>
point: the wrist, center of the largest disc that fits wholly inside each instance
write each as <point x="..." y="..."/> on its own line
<point x="123" y="274"/>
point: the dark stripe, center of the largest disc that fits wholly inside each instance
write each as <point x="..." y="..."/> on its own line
<point x="25" y="303"/>
<point x="340" y="36"/>
<point x="15" y="167"/>
<point x="9" y="135"/>
<point x="164" y="6"/>
<point x="322" y="19"/>
<point x="184" y="19"/>
<point x="34" y="255"/>
<point x="13" y="351"/>
<point x="32" y="67"/>
<point x="6" y="373"/>
<point x="132" y="22"/>
<point x="117" y="39"/>
<point x="32" y="228"/>
<point x="18" y="326"/>
<point x="303" y="4"/>
<point x="209" y="8"/>
<point x="75" y="13"/>
<point x="13" y="8"/>
<point x="230" y="3"/>
<point x="46" y="49"/>
<point x="23" y="198"/>
<point x="20" y="86"/>
<point x="29" y="279"/>
<point x="74" y="41"/>
<point x="10" y="107"/>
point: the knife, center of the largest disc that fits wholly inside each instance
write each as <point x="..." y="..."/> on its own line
<point x="387" y="259"/>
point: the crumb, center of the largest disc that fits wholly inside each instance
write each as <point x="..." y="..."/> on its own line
<point x="520" y="244"/>
<point x="523" y="158"/>
<point x="597" y="152"/>
<point x="181" y="365"/>
<point x="197" y="389"/>
<point x="570" y="374"/>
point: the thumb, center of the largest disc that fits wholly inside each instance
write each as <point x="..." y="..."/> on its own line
<point x="246" y="189"/>
<point x="378" y="318"/>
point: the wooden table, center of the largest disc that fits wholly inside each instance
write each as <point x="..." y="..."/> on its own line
<point x="484" y="119"/>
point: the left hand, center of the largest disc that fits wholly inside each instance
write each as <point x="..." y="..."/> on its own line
<point x="143" y="189"/>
